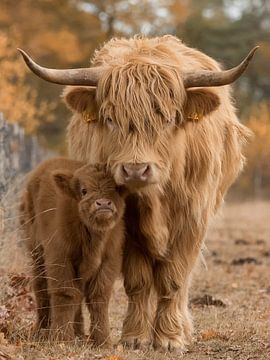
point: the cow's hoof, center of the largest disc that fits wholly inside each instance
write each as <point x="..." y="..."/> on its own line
<point x="136" y="343"/>
<point x="103" y="342"/>
<point x="57" y="335"/>
<point x="173" y="346"/>
<point x="38" y="334"/>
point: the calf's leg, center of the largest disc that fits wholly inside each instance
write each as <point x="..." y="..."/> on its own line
<point x="40" y="290"/>
<point x="65" y="299"/>
<point x="78" y="322"/>
<point x="98" y="293"/>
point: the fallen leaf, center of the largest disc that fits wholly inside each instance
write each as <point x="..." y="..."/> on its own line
<point x="3" y="340"/>
<point x="18" y="280"/>
<point x="211" y="334"/>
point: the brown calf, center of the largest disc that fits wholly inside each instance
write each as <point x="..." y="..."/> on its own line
<point x="72" y="220"/>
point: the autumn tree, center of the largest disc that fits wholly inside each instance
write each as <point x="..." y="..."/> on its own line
<point x="17" y="98"/>
<point x="227" y="30"/>
<point x="256" y="178"/>
<point x="58" y="34"/>
<point x="64" y="33"/>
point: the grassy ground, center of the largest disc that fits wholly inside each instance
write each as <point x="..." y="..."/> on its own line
<point x="230" y="297"/>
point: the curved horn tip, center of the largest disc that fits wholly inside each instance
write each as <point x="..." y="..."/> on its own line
<point x="22" y="52"/>
<point x="25" y="56"/>
<point x="252" y="52"/>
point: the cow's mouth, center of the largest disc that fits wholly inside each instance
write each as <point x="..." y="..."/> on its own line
<point x="138" y="184"/>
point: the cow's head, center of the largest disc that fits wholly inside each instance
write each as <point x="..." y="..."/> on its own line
<point x="138" y="108"/>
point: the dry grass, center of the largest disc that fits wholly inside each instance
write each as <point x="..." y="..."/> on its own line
<point x="236" y="283"/>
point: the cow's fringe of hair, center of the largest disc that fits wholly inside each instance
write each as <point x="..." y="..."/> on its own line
<point x="142" y="92"/>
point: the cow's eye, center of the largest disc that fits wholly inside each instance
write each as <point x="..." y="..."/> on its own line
<point x="83" y="191"/>
<point x="109" y="122"/>
<point x="158" y="111"/>
<point x="171" y="120"/>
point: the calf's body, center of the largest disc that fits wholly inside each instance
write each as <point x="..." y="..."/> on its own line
<point x="75" y="242"/>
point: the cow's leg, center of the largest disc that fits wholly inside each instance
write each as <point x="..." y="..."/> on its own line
<point x="138" y="282"/>
<point x="173" y="325"/>
<point x="65" y="298"/>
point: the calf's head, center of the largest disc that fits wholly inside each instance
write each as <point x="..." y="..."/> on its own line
<point x="100" y="201"/>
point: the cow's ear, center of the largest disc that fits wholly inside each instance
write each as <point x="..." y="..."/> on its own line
<point x="64" y="182"/>
<point x="81" y="100"/>
<point x="199" y="103"/>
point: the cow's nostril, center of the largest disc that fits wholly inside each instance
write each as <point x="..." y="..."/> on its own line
<point x="145" y="171"/>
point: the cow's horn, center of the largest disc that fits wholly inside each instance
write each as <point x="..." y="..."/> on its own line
<point x="206" y="78"/>
<point x="81" y="76"/>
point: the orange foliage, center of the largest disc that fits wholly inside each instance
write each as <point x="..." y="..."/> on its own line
<point x="256" y="176"/>
<point x="61" y="33"/>
<point x="17" y="100"/>
<point x="63" y="43"/>
<point x="259" y="123"/>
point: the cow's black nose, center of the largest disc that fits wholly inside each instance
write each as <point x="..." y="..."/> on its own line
<point x="136" y="172"/>
<point x="103" y="204"/>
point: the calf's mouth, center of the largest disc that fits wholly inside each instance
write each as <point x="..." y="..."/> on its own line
<point x="104" y="213"/>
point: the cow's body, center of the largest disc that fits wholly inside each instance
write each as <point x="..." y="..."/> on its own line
<point x="166" y="226"/>
<point x="188" y="144"/>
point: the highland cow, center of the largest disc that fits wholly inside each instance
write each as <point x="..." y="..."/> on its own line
<point x="158" y="113"/>
<point x="72" y="220"/>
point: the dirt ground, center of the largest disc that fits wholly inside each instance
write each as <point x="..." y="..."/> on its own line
<point x="230" y="297"/>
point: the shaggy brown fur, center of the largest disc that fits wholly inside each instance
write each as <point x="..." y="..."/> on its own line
<point x="140" y="112"/>
<point x="75" y="244"/>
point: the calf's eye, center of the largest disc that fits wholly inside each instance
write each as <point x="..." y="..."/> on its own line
<point x="83" y="191"/>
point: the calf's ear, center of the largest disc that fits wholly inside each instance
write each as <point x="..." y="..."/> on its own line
<point x="199" y="103"/>
<point x="81" y="100"/>
<point x="63" y="182"/>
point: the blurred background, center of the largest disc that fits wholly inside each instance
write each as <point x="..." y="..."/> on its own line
<point x="64" y="34"/>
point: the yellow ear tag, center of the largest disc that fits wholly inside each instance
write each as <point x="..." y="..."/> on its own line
<point x="87" y="117"/>
<point x="195" y="117"/>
